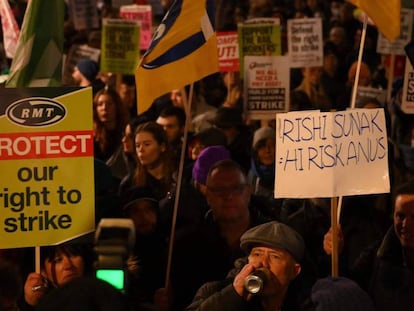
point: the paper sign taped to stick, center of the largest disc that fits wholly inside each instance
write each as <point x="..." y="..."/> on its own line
<point x="331" y="154"/>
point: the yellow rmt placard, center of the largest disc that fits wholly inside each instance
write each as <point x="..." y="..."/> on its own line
<point x="46" y="165"/>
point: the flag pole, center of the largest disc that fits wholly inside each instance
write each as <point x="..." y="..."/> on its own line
<point x="334" y="225"/>
<point x="336" y="203"/>
<point x="390" y="77"/>
<point x="358" y="69"/>
<point x="187" y="108"/>
<point x="355" y="86"/>
<point x="37" y="259"/>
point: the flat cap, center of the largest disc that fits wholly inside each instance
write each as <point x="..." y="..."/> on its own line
<point x="274" y="234"/>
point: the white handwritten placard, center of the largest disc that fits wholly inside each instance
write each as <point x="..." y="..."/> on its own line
<point x="327" y="154"/>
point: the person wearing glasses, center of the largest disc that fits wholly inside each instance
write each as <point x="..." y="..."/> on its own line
<point x="214" y="244"/>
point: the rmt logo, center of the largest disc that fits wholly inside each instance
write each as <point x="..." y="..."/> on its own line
<point x="35" y="112"/>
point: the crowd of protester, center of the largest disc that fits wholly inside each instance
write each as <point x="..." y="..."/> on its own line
<point x="221" y="165"/>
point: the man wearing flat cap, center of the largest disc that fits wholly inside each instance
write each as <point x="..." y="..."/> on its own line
<point x="273" y="248"/>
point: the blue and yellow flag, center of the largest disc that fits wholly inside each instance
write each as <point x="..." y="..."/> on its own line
<point x="385" y="15"/>
<point x="183" y="50"/>
<point x="38" y="58"/>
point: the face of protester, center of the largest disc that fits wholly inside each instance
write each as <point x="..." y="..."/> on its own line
<point x="171" y="127"/>
<point x="64" y="267"/>
<point x="228" y="194"/>
<point x="266" y="151"/>
<point x="196" y="148"/>
<point x="148" y="149"/>
<point x="144" y="216"/>
<point x="127" y="95"/>
<point x="177" y="99"/>
<point x="337" y="35"/>
<point x="404" y="220"/>
<point x="281" y="267"/>
<point x="77" y="75"/>
<point x="330" y="63"/>
<point x="106" y="110"/>
<point x="231" y="78"/>
<point x="313" y="74"/>
<point x="128" y="140"/>
<point x="364" y="74"/>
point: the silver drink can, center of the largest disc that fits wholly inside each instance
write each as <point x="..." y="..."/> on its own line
<point x="255" y="281"/>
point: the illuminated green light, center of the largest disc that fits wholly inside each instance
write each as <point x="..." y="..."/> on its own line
<point x="114" y="277"/>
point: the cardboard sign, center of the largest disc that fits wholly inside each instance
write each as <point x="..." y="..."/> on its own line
<point x="228" y="51"/>
<point x="120" y="46"/>
<point x="46" y="162"/>
<point x="266" y="86"/>
<point x="331" y="154"/>
<point x="305" y="42"/>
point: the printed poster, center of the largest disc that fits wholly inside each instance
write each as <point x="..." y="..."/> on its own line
<point x="47" y="166"/>
<point x="259" y="39"/>
<point x="228" y="51"/>
<point x="305" y="42"/>
<point x="120" y="46"/>
<point x="407" y="99"/>
<point x="143" y="15"/>
<point x="266" y="86"/>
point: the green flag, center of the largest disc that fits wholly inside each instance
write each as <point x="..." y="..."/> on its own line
<point x="38" y="58"/>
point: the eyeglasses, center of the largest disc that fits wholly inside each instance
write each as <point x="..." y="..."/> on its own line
<point x="223" y="191"/>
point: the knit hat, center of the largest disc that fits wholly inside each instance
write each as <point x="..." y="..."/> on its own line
<point x="339" y="293"/>
<point x="205" y="161"/>
<point x="263" y="133"/>
<point x="276" y="235"/>
<point x="88" y="68"/>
